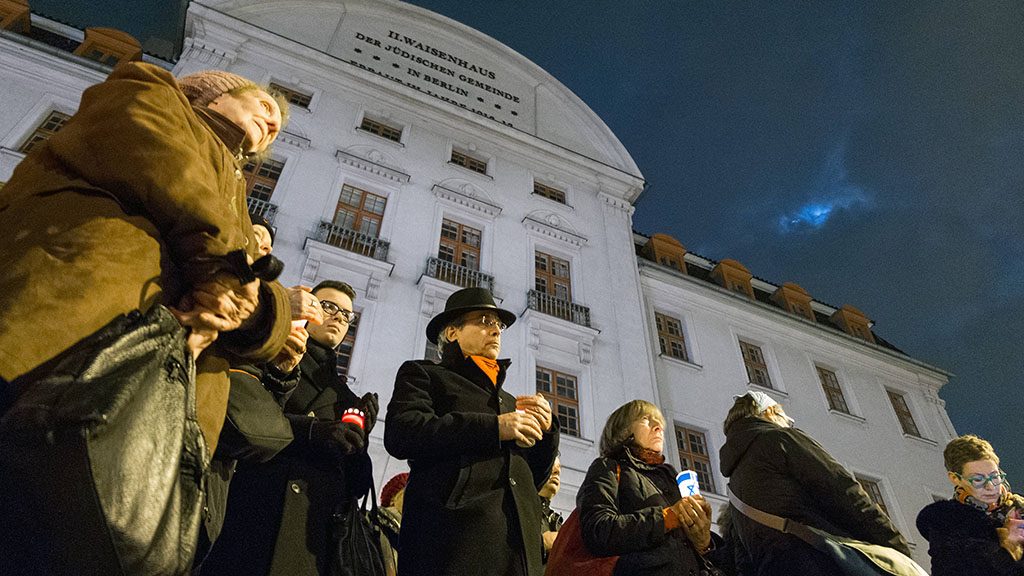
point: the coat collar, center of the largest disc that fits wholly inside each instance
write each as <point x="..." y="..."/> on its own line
<point x="227" y="131"/>
<point x="321" y="353"/>
<point x="455" y="360"/>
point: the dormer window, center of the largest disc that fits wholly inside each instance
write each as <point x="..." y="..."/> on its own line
<point x="794" y="300"/>
<point x="15" y="15"/>
<point x="853" y="322"/>
<point x="665" y="250"/>
<point x="109" y="46"/>
<point x="733" y="276"/>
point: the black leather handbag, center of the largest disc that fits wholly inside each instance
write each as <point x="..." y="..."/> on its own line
<point x="105" y="454"/>
<point x="358" y="538"/>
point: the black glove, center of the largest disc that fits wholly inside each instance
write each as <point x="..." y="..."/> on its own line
<point x="370" y="406"/>
<point x="339" y="438"/>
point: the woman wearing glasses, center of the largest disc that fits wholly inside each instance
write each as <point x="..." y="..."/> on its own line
<point x="979" y="531"/>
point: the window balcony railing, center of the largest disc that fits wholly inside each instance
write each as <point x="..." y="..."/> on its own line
<point x="459" y="275"/>
<point x="353" y="241"/>
<point x="557" y="307"/>
<point x="263" y="208"/>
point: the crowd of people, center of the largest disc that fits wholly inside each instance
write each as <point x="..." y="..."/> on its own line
<point x="132" y="220"/>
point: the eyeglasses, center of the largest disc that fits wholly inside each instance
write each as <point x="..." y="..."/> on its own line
<point x="330" y="309"/>
<point x="978" y="481"/>
<point x="489" y="321"/>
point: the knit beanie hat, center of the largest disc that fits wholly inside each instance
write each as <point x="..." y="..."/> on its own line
<point x="391" y="489"/>
<point x="204" y="87"/>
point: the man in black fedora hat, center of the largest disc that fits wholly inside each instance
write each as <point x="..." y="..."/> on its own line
<point x="477" y="455"/>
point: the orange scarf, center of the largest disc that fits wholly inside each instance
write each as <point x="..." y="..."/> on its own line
<point x="488" y="367"/>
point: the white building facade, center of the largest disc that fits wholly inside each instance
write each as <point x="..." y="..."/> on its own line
<point x="423" y="156"/>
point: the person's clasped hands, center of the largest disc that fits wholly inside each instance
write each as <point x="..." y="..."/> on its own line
<point x="528" y="423"/>
<point x="694" y="515"/>
<point x="220" y="304"/>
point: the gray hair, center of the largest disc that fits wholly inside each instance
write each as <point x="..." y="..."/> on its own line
<point x="442" y="336"/>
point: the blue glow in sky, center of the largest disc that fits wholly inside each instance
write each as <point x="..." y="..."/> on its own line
<point x="832" y="192"/>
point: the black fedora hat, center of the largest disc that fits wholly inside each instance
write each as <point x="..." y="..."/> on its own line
<point x="466" y="300"/>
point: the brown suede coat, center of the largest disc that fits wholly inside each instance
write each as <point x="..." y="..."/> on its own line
<point x="131" y="203"/>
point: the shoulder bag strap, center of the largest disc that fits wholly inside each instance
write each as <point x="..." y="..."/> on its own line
<point x="779" y="523"/>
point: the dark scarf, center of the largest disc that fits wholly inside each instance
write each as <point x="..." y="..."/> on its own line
<point x="646" y="455"/>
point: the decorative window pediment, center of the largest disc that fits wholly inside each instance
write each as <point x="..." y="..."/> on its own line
<point x="554" y="226"/>
<point x="462" y="193"/>
<point x="373" y="161"/>
<point x="294" y="137"/>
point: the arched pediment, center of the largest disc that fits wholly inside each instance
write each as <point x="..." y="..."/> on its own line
<point x="456" y="65"/>
<point x="466" y="194"/>
<point x="372" y="160"/>
<point x="554" y="226"/>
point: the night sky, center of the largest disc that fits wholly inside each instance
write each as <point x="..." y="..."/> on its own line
<point x="871" y="152"/>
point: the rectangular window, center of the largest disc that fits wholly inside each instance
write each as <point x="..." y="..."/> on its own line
<point x="381" y="129"/>
<point x="874" y="491"/>
<point x="834" y="393"/>
<point x="548" y="192"/>
<point x="695" y="455"/>
<point x="294" y="97"/>
<point x="261" y="178"/>
<point x="670" y="336"/>
<point x="53" y="123"/>
<point x="345" y="352"/>
<point x="360" y="211"/>
<point x="560" y="389"/>
<point x="757" y="369"/>
<point x="469" y="162"/>
<point x="552" y="276"/>
<point x="460" y="244"/>
<point x="899" y="405"/>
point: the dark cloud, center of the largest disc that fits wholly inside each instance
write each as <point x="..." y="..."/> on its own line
<point x="904" y="120"/>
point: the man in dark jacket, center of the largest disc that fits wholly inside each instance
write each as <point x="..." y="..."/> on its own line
<point x="280" y="516"/>
<point x="781" y="470"/>
<point x="477" y="455"/>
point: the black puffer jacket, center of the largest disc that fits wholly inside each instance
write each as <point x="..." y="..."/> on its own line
<point x="624" y="517"/>
<point x="783" y="471"/>
<point x="962" y="541"/>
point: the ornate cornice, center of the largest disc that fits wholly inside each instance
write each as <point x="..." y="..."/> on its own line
<point x="372" y="161"/>
<point x="464" y="194"/>
<point x="554" y="226"/>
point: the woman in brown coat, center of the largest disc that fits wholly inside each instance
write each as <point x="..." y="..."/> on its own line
<point x="139" y="200"/>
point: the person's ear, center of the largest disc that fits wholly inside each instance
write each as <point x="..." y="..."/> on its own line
<point x="953" y="478"/>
